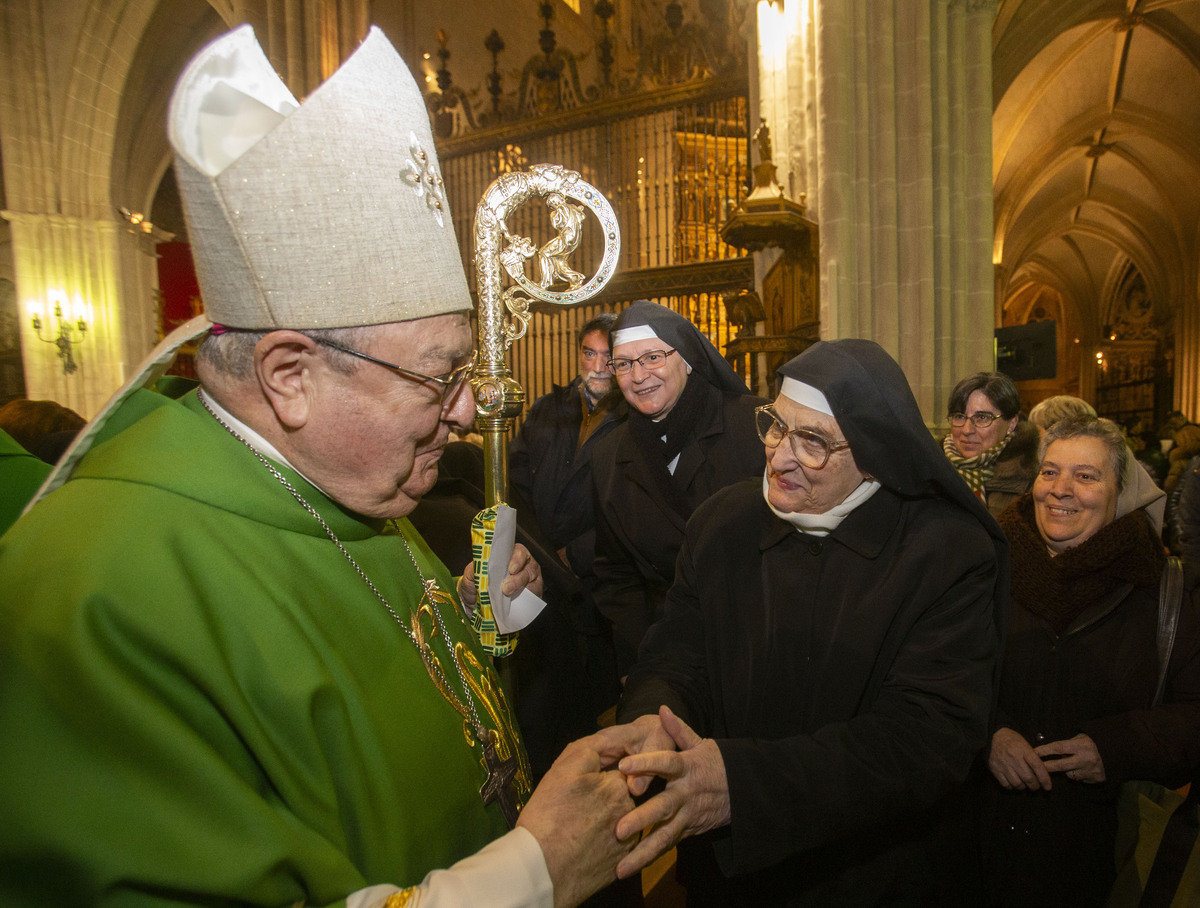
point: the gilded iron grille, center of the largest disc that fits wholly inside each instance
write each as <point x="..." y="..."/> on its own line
<point x="673" y="163"/>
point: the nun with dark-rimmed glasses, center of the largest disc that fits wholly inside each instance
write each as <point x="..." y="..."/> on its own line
<point x="822" y="677"/>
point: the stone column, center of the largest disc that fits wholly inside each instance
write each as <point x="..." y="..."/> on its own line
<point x="97" y="271"/>
<point x="1187" y="356"/>
<point x="905" y="185"/>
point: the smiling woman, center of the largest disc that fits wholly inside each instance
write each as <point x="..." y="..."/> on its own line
<point x="1080" y="671"/>
<point x="814" y="472"/>
<point x="650" y="376"/>
<point x="689" y="433"/>
<point x="1075" y="492"/>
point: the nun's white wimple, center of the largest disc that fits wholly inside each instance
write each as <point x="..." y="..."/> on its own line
<point x="805" y="395"/>
<point x="633" y="333"/>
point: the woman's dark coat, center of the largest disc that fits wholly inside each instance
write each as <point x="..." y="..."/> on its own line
<point x="1184" y="513"/>
<point x="638" y="533"/>
<point x="1096" y="678"/>
<point x="846" y="680"/>
<point x="554" y="473"/>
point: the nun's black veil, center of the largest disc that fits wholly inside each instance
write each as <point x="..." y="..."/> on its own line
<point x="875" y="408"/>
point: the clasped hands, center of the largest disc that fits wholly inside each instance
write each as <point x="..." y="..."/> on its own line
<point x="583" y="814"/>
<point x="1017" y="765"/>
<point x="695" y="798"/>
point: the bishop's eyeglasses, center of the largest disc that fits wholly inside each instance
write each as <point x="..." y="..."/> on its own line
<point x="978" y="420"/>
<point x="446" y="385"/>
<point x="810" y="448"/>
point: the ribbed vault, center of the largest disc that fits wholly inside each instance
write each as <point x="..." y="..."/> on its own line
<point x="1096" y="160"/>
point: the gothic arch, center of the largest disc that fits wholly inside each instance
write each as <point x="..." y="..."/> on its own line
<point x="108" y="40"/>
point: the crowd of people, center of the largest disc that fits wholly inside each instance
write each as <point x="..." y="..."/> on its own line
<point x="827" y="659"/>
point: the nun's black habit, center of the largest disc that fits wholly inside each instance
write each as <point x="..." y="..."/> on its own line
<point x="641" y="508"/>
<point x="847" y="679"/>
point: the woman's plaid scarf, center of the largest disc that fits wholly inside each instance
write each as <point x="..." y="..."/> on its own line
<point x="979" y="469"/>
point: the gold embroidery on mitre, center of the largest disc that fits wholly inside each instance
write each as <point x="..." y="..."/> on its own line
<point x="421" y="173"/>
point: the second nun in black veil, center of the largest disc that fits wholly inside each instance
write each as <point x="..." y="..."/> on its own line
<point x="690" y="433"/>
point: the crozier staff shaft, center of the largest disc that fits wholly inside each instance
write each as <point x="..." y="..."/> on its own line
<point x="504" y="313"/>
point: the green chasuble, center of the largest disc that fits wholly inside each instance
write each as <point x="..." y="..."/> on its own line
<point x="202" y="702"/>
<point x="21" y="475"/>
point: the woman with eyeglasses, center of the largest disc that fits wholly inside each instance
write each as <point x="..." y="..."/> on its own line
<point x="689" y="433"/>
<point x="826" y="656"/>
<point x="993" y="449"/>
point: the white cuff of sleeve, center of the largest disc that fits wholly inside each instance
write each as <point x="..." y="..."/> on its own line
<point x="508" y="873"/>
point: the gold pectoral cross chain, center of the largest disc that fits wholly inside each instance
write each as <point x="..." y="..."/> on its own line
<point x="507" y="776"/>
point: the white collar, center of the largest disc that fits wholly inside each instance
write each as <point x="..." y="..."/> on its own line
<point x="822" y="524"/>
<point x="251" y="437"/>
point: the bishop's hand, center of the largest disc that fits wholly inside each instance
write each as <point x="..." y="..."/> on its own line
<point x="523" y="573"/>
<point x="573" y="814"/>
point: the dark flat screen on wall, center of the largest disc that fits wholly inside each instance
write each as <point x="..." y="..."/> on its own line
<point x="1025" y="352"/>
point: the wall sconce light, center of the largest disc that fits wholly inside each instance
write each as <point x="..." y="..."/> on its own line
<point x="68" y="336"/>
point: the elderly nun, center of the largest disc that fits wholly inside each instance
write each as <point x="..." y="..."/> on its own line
<point x="690" y="432"/>
<point x="825" y="665"/>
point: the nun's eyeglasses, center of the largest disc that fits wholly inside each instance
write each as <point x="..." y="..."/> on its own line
<point x="651" y="360"/>
<point x="446" y="385"/>
<point x="809" y="447"/>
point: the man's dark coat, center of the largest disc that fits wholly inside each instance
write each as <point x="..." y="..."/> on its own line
<point x="554" y="477"/>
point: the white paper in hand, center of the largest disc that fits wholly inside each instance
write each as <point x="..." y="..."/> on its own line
<point x="511" y="614"/>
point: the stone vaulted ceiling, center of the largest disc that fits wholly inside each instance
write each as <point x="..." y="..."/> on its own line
<point x="1096" y="153"/>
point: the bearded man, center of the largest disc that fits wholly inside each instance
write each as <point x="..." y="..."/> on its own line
<point x="550" y="466"/>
